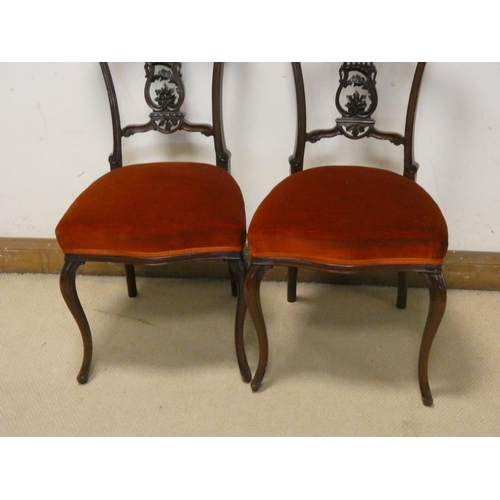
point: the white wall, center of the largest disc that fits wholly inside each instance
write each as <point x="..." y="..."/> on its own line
<point x="55" y="136"/>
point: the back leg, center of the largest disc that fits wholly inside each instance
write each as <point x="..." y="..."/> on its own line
<point x="402" y="290"/>
<point x="234" y="284"/>
<point x="292" y="284"/>
<point x="131" y="283"/>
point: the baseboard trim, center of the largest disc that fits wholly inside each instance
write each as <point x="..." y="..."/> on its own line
<point x="462" y="269"/>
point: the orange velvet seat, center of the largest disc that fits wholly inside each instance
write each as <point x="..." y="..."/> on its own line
<point x="342" y="215"/>
<point x="189" y="208"/>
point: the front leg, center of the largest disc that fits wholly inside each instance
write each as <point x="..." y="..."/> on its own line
<point x="252" y="296"/>
<point x="68" y="289"/>
<point x="437" y="306"/>
<point x="238" y="274"/>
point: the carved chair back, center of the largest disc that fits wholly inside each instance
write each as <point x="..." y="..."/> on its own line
<point x="356" y="100"/>
<point x="164" y="93"/>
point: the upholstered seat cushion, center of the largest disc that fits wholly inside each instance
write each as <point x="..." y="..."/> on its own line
<point x="156" y="210"/>
<point x="349" y="216"/>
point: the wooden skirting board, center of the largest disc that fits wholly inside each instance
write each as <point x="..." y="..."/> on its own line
<point x="462" y="269"/>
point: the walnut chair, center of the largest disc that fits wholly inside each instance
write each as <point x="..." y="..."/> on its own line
<point x="350" y="219"/>
<point x="157" y="213"/>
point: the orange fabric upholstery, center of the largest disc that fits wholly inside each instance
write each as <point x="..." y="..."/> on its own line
<point x="156" y="210"/>
<point x="349" y="216"/>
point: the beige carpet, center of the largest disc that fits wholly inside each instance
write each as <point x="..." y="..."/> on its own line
<point x="342" y="362"/>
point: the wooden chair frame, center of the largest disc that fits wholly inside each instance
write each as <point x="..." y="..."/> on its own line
<point x="432" y="273"/>
<point x="168" y="122"/>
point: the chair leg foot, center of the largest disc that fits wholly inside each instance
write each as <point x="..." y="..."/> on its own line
<point x="292" y="284"/>
<point x="68" y="289"/>
<point x="83" y="377"/>
<point x="131" y="282"/>
<point x="437" y="306"/>
<point x="427" y="399"/>
<point x="238" y="274"/>
<point x="252" y="296"/>
<point x="256" y="385"/>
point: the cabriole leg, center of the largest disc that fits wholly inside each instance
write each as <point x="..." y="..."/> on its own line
<point x="437" y="306"/>
<point x="238" y="273"/>
<point x="252" y="296"/>
<point x="69" y="293"/>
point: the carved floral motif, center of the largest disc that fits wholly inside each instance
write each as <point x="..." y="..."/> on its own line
<point x="356" y="108"/>
<point x="165" y="99"/>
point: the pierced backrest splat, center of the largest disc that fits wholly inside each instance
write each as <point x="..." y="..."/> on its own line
<point x="164" y="93"/>
<point x="356" y="100"/>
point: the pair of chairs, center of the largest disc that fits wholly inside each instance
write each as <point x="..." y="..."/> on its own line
<point x="341" y="219"/>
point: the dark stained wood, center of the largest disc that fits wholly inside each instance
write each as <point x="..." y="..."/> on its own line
<point x="115" y="158"/>
<point x="70" y="295"/>
<point x="292" y="284"/>
<point x="437" y="305"/>
<point x="239" y="271"/>
<point x="402" y="290"/>
<point x="223" y="156"/>
<point x="252" y="295"/>
<point x="410" y="167"/>
<point x="131" y="283"/>
<point x="234" y="284"/>
<point x="297" y="159"/>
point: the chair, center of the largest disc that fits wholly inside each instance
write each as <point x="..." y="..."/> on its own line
<point x="350" y="219"/>
<point x="157" y="213"/>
